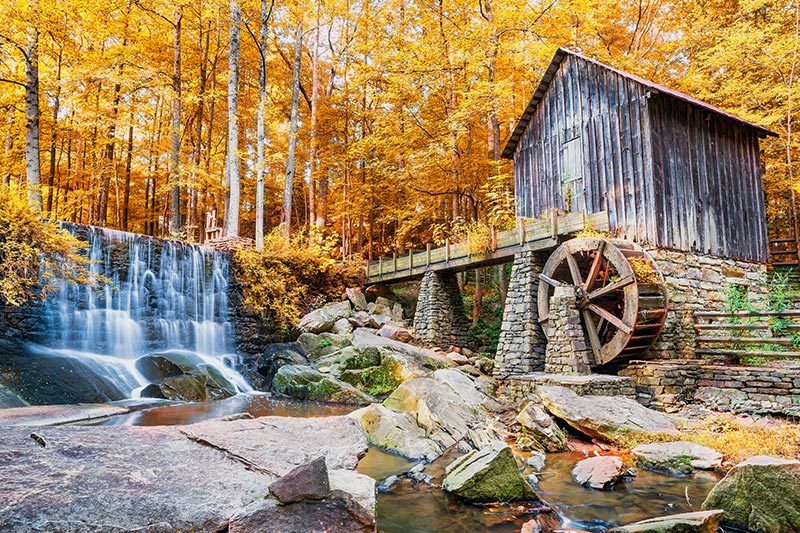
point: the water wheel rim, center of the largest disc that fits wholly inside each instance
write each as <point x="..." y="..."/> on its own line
<point x="585" y="283"/>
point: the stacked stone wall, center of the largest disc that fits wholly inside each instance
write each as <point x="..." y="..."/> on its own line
<point x="521" y="347"/>
<point x="670" y="385"/>
<point x="517" y="389"/>
<point x="440" y="319"/>
<point x="698" y="283"/>
<point x="567" y="352"/>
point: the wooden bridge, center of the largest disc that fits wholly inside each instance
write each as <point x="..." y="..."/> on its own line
<point x="529" y="235"/>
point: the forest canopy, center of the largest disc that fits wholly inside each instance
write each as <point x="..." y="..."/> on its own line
<point x="375" y="123"/>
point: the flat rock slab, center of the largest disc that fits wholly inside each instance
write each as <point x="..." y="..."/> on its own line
<point x="605" y="417"/>
<point x="123" y="478"/>
<point x="698" y="522"/>
<point x="678" y="458"/>
<point x="50" y="415"/>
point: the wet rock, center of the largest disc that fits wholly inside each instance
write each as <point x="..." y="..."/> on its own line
<point x="305" y="383"/>
<point x="676" y="458"/>
<point x="536" y="461"/>
<point x="759" y="494"/>
<point x="531" y="526"/>
<point x="697" y="522"/>
<point x="49" y="415"/>
<point x="317" y="346"/>
<point x="8" y="398"/>
<point x="322" y="320"/>
<point x="259" y="370"/>
<point x="357" y="298"/>
<point x="388" y="484"/>
<point x="158" y="366"/>
<point x="599" y="472"/>
<point x="397" y="333"/>
<point x="532" y="480"/>
<point x="203" y="383"/>
<point x="305" y="482"/>
<point x="189" y="478"/>
<point x="342" y="327"/>
<point x="544" y="434"/>
<point x="487" y="475"/>
<point x="339" y="513"/>
<point x="605" y="417"/>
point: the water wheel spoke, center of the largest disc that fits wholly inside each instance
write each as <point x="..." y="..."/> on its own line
<point x="594" y="339"/>
<point x="610" y="318"/>
<point x="550" y="281"/>
<point x="611" y="287"/>
<point x="577" y="279"/>
<point x="594" y="270"/>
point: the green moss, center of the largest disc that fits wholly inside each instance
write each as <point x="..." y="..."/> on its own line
<point x="382" y="380"/>
<point x="360" y="359"/>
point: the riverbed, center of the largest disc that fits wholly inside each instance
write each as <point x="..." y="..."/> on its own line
<point x="420" y="508"/>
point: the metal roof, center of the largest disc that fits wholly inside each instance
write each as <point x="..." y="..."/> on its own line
<point x="555" y="63"/>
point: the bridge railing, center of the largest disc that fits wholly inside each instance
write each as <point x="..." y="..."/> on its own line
<point x="767" y="334"/>
<point x="529" y="233"/>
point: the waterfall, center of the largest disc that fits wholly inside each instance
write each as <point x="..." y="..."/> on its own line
<point x="152" y="295"/>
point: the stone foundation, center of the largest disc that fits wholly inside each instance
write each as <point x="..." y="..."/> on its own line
<point x="521" y="347"/>
<point x="567" y="352"/>
<point x="698" y="283"/>
<point x="520" y="388"/>
<point x="440" y="319"/>
<point x="669" y="385"/>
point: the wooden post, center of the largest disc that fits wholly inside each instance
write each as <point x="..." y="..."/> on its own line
<point x="494" y="237"/>
<point x="428" y="254"/>
<point x="380" y="267"/>
<point x="410" y="260"/>
<point x="795" y="226"/>
<point x="447" y="250"/>
<point x="394" y="262"/>
<point x="553" y="224"/>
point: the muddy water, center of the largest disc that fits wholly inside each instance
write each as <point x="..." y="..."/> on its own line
<point x="411" y="507"/>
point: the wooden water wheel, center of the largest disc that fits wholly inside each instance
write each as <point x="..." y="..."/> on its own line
<point x="620" y="294"/>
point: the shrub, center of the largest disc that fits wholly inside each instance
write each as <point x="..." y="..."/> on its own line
<point x="34" y="253"/>
<point x="291" y="276"/>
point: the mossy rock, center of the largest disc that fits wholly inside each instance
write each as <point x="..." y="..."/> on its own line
<point x="382" y="380"/>
<point x="305" y="383"/>
<point x="321" y="345"/>
<point x="759" y="494"/>
<point x="487" y="475"/>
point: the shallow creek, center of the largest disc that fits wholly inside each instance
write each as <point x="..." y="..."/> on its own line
<point x="414" y="507"/>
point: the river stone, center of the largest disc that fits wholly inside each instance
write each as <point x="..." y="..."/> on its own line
<point x="605" y="417"/>
<point x="397" y="333"/>
<point x="487" y="475"/>
<point x="676" y="458"/>
<point x="305" y="383"/>
<point x="316" y="346"/>
<point x="162" y="478"/>
<point x="305" y="482"/>
<point x="599" y="472"/>
<point x="357" y="298"/>
<point x="259" y="369"/>
<point x="342" y="327"/>
<point x="322" y="320"/>
<point x="544" y="433"/>
<point x="158" y="366"/>
<point x="759" y="494"/>
<point x="339" y="513"/>
<point x="697" y="522"/>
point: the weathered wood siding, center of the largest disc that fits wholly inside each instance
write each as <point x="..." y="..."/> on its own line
<point x="608" y="114"/>
<point x="707" y="179"/>
<point x="668" y="173"/>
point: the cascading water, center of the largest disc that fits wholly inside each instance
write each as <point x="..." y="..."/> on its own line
<point x="152" y="295"/>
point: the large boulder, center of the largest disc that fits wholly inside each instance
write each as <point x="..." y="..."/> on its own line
<point x="316" y="346"/>
<point x="364" y="338"/>
<point x="540" y="432"/>
<point x="357" y="298"/>
<point x="610" y="418"/>
<point x="184" y="376"/>
<point x="165" y="478"/>
<point x="305" y="383"/>
<point x="676" y="458"/>
<point x="487" y="475"/>
<point x="760" y="494"/>
<point x="323" y="319"/>
<point x="425" y="416"/>
<point x="599" y="472"/>
<point x="697" y="522"/>
<point x="350" y="358"/>
<point x="260" y="369"/>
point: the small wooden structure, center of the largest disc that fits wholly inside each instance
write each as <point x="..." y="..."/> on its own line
<point x="671" y="171"/>
<point x="772" y="334"/>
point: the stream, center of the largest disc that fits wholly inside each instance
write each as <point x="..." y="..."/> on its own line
<point x="420" y="508"/>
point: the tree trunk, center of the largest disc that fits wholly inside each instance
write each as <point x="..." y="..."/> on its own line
<point x="127" y="190"/>
<point x="175" y="169"/>
<point x="261" y="137"/>
<point x="51" y="178"/>
<point x="232" y="160"/>
<point x="32" y="163"/>
<point x="312" y="182"/>
<point x="288" y="187"/>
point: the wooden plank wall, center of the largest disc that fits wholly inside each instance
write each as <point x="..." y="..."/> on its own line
<point x="609" y="114"/>
<point x="708" y="186"/>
